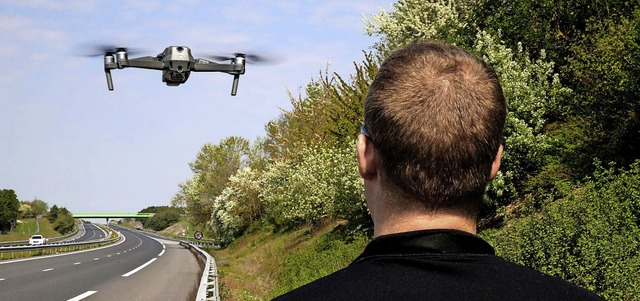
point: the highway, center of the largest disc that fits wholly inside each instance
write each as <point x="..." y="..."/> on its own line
<point x="138" y="268"/>
<point x="87" y="232"/>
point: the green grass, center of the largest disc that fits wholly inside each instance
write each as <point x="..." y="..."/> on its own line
<point x="27" y="227"/>
<point x="263" y="264"/>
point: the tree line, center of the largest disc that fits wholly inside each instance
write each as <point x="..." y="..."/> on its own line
<point x="11" y="209"/>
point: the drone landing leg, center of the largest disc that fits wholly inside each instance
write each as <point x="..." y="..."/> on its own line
<point x="107" y="72"/>
<point x="234" y="87"/>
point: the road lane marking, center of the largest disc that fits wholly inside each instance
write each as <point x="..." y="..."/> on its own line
<point x="109" y="255"/>
<point x="82" y="296"/>
<point x="46" y="270"/>
<point x="161" y="253"/>
<point x="2" y="279"/>
<point x="77" y="263"/>
<point x="139" y="268"/>
<point x="96" y="259"/>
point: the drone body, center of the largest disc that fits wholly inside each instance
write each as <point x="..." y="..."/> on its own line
<point x="176" y="63"/>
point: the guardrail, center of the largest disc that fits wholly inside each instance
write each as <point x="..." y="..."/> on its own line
<point x="209" y="243"/>
<point x="208" y="288"/>
<point x="54" y="248"/>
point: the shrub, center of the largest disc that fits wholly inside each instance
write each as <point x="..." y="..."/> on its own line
<point x="591" y="238"/>
<point x="238" y="206"/>
<point x="324" y="184"/>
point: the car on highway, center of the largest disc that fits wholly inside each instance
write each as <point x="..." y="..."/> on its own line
<point x="36" y="240"/>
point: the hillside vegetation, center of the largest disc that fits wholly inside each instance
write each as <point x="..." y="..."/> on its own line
<point x="565" y="202"/>
<point x="27" y="227"/>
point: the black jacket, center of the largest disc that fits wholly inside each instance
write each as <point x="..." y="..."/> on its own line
<point x="435" y="265"/>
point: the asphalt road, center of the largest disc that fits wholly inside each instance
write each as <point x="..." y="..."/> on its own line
<point x="139" y="268"/>
<point x="88" y="232"/>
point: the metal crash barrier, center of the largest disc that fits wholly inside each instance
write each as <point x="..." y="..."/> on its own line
<point x="208" y="288"/>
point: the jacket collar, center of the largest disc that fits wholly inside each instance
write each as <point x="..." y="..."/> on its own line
<point x="422" y="242"/>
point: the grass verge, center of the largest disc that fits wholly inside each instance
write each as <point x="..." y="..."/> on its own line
<point x="27" y="227"/>
<point x="263" y="263"/>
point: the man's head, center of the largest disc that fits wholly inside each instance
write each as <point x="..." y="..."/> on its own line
<point x="435" y="115"/>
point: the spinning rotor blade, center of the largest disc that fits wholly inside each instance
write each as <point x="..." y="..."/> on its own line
<point x="251" y="58"/>
<point x="95" y="50"/>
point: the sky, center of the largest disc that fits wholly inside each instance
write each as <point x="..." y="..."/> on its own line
<point x="65" y="139"/>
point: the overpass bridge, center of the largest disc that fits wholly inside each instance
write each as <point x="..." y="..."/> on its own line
<point x="112" y="215"/>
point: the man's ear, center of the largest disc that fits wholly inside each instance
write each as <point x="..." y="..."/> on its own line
<point x="367" y="159"/>
<point x="496" y="164"/>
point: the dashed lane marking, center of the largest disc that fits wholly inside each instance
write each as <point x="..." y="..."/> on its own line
<point x="139" y="268"/>
<point x="46" y="270"/>
<point x="82" y="296"/>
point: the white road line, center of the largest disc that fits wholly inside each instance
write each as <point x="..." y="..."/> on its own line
<point x="2" y="279"/>
<point x="139" y="268"/>
<point x="96" y="259"/>
<point x="82" y="296"/>
<point x="161" y="253"/>
<point x="46" y="270"/>
<point x="77" y="263"/>
<point x="109" y="255"/>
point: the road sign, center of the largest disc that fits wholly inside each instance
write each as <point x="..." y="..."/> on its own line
<point x="197" y="235"/>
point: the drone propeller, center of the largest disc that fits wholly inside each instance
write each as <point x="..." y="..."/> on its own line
<point x="96" y="50"/>
<point x="250" y="58"/>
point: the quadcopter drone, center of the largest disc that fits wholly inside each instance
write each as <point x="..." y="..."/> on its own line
<point x="176" y="63"/>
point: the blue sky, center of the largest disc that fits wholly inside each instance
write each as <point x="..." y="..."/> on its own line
<point x="66" y="139"/>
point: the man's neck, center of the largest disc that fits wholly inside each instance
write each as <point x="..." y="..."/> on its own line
<point x="396" y="223"/>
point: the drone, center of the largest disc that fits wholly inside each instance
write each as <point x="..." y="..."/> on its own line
<point x="176" y="63"/>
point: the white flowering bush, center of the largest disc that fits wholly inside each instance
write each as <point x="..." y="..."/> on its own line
<point x="411" y="20"/>
<point x="237" y="206"/>
<point x="531" y="89"/>
<point x="323" y="183"/>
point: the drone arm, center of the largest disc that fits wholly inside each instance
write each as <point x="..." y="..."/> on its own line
<point x="208" y="66"/>
<point x="147" y="62"/>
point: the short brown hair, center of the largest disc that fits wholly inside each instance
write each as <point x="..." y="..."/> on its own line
<point x="436" y="114"/>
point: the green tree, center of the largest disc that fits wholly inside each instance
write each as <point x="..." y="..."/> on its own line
<point x="64" y="222"/>
<point x="164" y="217"/>
<point x="604" y="68"/>
<point x="594" y="45"/>
<point x="9" y="209"/>
<point x="53" y="213"/>
<point x="212" y="168"/>
<point x="551" y="25"/>
<point x="331" y="111"/>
